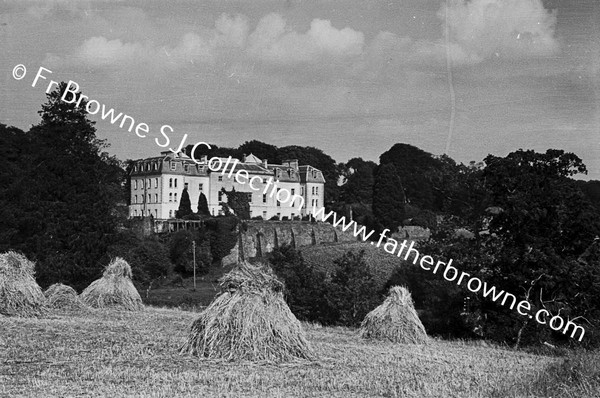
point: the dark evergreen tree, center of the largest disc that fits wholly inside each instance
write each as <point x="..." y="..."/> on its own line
<point x="185" y="205"/>
<point x="203" y="205"/>
<point x="388" y="197"/>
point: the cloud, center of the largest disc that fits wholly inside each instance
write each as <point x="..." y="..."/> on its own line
<point x="480" y="29"/>
<point x="99" y="51"/>
<point x="272" y="42"/>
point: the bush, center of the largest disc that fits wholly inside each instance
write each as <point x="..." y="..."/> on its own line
<point x="148" y="257"/>
<point x="438" y="302"/>
<point x="353" y="290"/>
<point x="223" y="235"/>
<point x="425" y="219"/>
<point x="274" y="218"/>
<point x="305" y="288"/>
<point x="180" y="251"/>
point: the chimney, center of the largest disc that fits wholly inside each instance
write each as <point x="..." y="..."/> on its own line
<point x="204" y="159"/>
<point x="265" y="163"/>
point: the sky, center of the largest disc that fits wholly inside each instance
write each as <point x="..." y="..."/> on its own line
<point x="351" y="77"/>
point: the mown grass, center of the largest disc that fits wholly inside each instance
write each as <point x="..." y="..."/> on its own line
<point x="109" y="353"/>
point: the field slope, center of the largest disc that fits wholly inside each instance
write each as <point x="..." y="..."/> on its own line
<point x="116" y="354"/>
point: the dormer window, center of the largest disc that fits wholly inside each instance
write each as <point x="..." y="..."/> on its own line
<point x="173" y="166"/>
<point x="186" y="168"/>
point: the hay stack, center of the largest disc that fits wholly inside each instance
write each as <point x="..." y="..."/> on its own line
<point x="20" y="295"/>
<point x="63" y="297"/>
<point x="395" y="320"/>
<point x="248" y="320"/>
<point x="114" y="289"/>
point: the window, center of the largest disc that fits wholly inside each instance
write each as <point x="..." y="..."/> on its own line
<point x="264" y="215"/>
<point x="293" y="191"/>
<point x="200" y="187"/>
<point x="264" y="198"/>
<point x="313" y="190"/>
<point x="186" y="168"/>
<point x="147" y="166"/>
<point x="155" y="198"/>
<point x="156" y="183"/>
<point x="134" y="184"/>
<point x="170" y="183"/>
<point x="170" y="213"/>
<point x="279" y="215"/>
<point x="170" y="197"/>
<point x="185" y="184"/>
<point x="134" y="199"/>
<point x="264" y="180"/>
<point x="175" y="183"/>
<point x="135" y="169"/>
<point x="317" y="190"/>
<point x="220" y="196"/>
<point x="302" y="191"/>
<point x="135" y="212"/>
<point x="173" y="166"/>
<point x="277" y="196"/>
<point x="155" y="167"/>
<point x="149" y="198"/>
<point x="220" y="178"/>
<point x="175" y="197"/>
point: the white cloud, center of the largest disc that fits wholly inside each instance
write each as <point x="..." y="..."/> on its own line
<point x="271" y="41"/>
<point x="480" y="29"/>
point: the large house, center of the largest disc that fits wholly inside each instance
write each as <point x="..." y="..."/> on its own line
<point x="157" y="184"/>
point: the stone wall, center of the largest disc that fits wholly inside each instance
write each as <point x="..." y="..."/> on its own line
<point x="258" y="238"/>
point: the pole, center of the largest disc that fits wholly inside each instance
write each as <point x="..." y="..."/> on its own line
<point x="194" y="255"/>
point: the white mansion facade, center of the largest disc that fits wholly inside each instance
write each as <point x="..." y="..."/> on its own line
<point x="157" y="184"/>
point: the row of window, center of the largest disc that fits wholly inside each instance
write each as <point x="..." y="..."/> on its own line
<point x="148" y="167"/>
<point x="134" y="199"/>
<point x="172" y="184"/>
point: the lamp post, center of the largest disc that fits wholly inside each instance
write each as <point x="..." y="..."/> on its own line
<point x="194" y="257"/>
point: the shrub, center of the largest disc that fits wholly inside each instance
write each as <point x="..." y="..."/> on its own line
<point x="223" y="235"/>
<point x="180" y="251"/>
<point x="305" y="288"/>
<point x="148" y="257"/>
<point x="353" y="289"/>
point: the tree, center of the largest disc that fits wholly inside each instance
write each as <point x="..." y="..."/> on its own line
<point x="238" y="202"/>
<point x="305" y="288"/>
<point x="353" y="290"/>
<point x="203" y="205"/>
<point x="185" y="205"/>
<point x="261" y="150"/>
<point x="388" y="197"/>
<point x="67" y="195"/>
<point x="415" y="168"/>
<point x="312" y="156"/>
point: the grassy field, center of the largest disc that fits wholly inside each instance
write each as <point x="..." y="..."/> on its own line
<point x="116" y="354"/>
